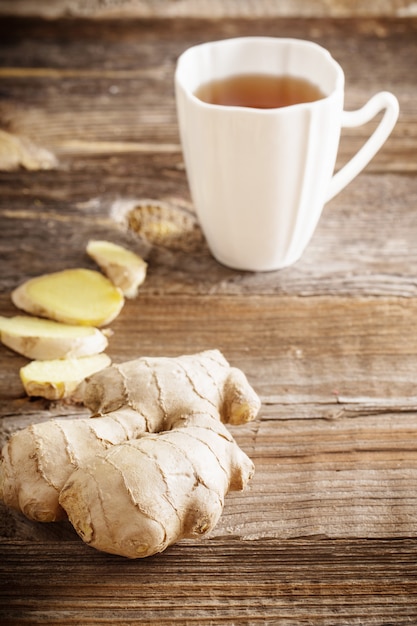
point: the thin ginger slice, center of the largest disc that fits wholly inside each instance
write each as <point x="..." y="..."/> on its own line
<point x="123" y="267"/>
<point x="42" y="339"/>
<point x="73" y="296"/>
<point x="59" y="378"/>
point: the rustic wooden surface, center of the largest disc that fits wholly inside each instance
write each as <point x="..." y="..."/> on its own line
<point x="327" y="532"/>
<point x="116" y="9"/>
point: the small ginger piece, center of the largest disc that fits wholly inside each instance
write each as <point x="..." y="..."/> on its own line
<point x="42" y="339"/>
<point x="59" y="378"/>
<point x="123" y="267"/>
<point x="73" y="296"/>
<point x="18" y="152"/>
<point x="152" y="466"/>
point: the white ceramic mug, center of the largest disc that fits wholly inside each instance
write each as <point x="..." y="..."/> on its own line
<point x="259" y="178"/>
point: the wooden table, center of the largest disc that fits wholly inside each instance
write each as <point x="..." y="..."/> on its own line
<point x="327" y="532"/>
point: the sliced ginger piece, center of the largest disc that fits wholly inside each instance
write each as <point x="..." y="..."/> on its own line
<point x="73" y="296"/>
<point x="123" y="267"/>
<point x="42" y="339"/>
<point x="59" y="378"/>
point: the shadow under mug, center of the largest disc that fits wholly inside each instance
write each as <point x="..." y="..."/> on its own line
<point x="259" y="178"/>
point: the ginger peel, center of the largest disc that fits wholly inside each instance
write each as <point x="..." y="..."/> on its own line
<point x="169" y="485"/>
<point x="152" y="467"/>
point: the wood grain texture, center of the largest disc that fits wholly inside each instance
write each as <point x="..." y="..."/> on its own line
<point x="364" y="244"/>
<point x="327" y="532"/>
<point x="219" y="9"/>
<point x="225" y="582"/>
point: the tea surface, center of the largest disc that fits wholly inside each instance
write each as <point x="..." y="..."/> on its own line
<point x="260" y="91"/>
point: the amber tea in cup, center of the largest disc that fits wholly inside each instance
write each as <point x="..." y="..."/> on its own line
<point x="259" y="91"/>
<point x="262" y="167"/>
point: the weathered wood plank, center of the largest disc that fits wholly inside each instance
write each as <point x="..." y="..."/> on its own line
<point x="364" y="244"/>
<point x="332" y="352"/>
<point x="259" y="582"/>
<point x="116" y="9"/>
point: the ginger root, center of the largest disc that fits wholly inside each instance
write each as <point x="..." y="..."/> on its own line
<point x="152" y="465"/>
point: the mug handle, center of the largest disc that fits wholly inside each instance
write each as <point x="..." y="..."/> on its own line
<point x="384" y="100"/>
